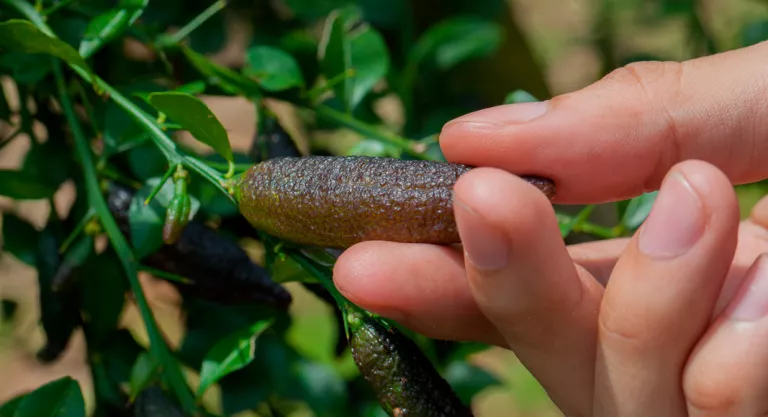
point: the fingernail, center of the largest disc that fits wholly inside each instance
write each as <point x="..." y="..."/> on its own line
<point x="676" y="221"/>
<point x="506" y="114"/>
<point x="753" y="304"/>
<point x="485" y="246"/>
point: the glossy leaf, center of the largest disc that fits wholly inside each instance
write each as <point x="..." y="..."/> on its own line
<point x="370" y="61"/>
<point x="468" y="380"/>
<point x="107" y="26"/>
<point x="457" y="40"/>
<point x="20" y="239"/>
<point x="146" y="221"/>
<point x="23" y="36"/>
<point x="336" y="57"/>
<point x="353" y="59"/>
<point x="143" y="374"/>
<point x="195" y="117"/>
<point x="638" y="210"/>
<point x="272" y="68"/>
<point x="59" y="398"/>
<point x="22" y="185"/>
<point x="230" y="354"/>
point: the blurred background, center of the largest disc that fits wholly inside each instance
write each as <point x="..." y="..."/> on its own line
<point x="544" y="47"/>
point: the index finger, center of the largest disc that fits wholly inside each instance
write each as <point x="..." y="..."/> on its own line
<point x="620" y="136"/>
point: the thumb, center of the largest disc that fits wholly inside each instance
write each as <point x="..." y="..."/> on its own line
<point x="620" y="136"/>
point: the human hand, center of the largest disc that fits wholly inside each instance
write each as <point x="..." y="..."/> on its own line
<point x="656" y="328"/>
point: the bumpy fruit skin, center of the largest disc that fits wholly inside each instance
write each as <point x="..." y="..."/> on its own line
<point x="220" y="270"/>
<point x="403" y="378"/>
<point x="336" y="202"/>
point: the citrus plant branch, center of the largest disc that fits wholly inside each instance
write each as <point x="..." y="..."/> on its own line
<point x="193" y="24"/>
<point x="172" y="153"/>
<point x="96" y="200"/>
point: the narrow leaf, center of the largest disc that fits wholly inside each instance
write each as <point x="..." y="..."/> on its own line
<point x="230" y="354"/>
<point x="23" y="36"/>
<point x="109" y="25"/>
<point x="194" y="116"/>
<point x="143" y="374"/>
<point x="335" y="52"/>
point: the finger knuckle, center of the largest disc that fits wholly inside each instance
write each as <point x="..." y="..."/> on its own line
<point x="622" y="331"/>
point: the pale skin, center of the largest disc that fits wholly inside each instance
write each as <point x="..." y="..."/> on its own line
<point x="670" y="322"/>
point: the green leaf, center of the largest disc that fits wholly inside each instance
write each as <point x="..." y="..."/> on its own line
<point x="22" y="185"/>
<point x="59" y="398"/>
<point x="638" y="210"/>
<point x="51" y="161"/>
<point x="370" y="147"/>
<point x="8" y="409"/>
<point x="468" y="380"/>
<point x="146" y="161"/>
<point x="20" y="239"/>
<point x="457" y="40"/>
<point x="336" y="56"/>
<point x="370" y="61"/>
<point x="25" y="69"/>
<point x="754" y="33"/>
<point x="23" y="36"/>
<point x="226" y="79"/>
<point x="272" y="68"/>
<point x="520" y="96"/>
<point x="146" y="221"/>
<point x="567" y="226"/>
<point x="359" y="56"/>
<point x="107" y="26"/>
<point x="230" y="354"/>
<point x="143" y="374"/>
<point x="103" y="295"/>
<point x="5" y="109"/>
<point x="320" y="387"/>
<point x="194" y="116"/>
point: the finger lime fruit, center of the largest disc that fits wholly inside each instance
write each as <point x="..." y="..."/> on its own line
<point x="336" y="201"/>
<point x="402" y="377"/>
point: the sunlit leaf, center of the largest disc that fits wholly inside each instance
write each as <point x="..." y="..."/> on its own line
<point x="230" y="354"/>
<point x="638" y="210"/>
<point x="272" y="68"/>
<point x="111" y="24"/>
<point x="195" y="117"/>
